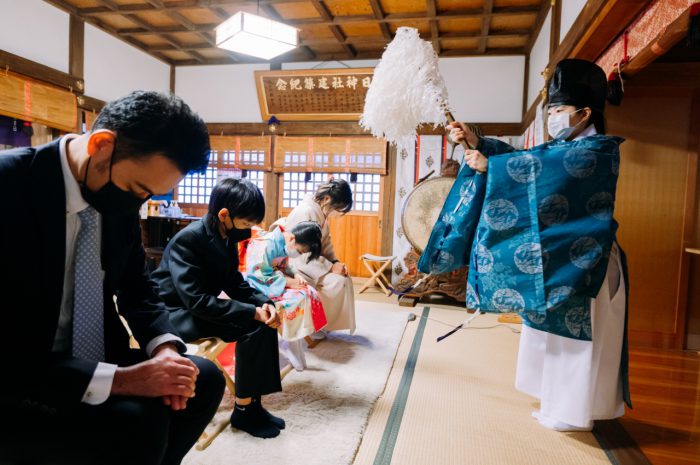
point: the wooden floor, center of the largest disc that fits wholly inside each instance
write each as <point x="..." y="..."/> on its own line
<point x="665" y="421"/>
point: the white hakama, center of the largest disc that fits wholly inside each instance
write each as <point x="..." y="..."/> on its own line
<point x="579" y="381"/>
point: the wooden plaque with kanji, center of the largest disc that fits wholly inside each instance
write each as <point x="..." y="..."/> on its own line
<point x="313" y="95"/>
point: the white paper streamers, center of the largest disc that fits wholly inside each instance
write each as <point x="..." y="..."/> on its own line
<point x="407" y="90"/>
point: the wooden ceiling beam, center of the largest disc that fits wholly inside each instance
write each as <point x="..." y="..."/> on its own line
<point x="221" y="13"/>
<point x="207" y="36"/>
<point x="431" y="12"/>
<point x="475" y="52"/>
<point x="325" y="14"/>
<point x="272" y="14"/>
<point x="341" y="20"/>
<point x="136" y="20"/>
<point x="541" y="16"/>
<point x="379" y="14"/>
<point x="65" y="6"/>
<point x="305" y="50"/>
<point x="180" y="5"/>
<point x="17" y="64"/>
<point x="364" y="56"/>
<point x="485" y="25"/>
<point x="380" y="41"/>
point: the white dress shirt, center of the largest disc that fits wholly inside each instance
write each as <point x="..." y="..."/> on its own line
<point x="100" y="385"/>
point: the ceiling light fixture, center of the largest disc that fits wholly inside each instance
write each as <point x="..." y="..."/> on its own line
<point x="254" y="35"/>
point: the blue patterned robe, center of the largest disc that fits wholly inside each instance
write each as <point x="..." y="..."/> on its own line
<point x="536" y="231"/>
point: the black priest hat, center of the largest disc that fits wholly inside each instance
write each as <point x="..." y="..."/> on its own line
<point x="578" y="82"/>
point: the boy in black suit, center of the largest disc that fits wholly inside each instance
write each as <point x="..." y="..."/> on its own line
<point x="198" y="264"/>
<point x="73" y="391"/>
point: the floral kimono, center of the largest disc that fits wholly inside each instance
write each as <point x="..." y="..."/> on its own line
<point x="267" y="266"/>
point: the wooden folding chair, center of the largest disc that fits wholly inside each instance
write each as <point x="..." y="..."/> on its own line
<point x="210" y="348"/>
<point x="377" y="266"/>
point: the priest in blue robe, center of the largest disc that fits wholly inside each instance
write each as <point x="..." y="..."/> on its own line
<point x="536" y="228"/>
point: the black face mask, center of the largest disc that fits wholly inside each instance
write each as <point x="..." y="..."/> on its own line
<point x="109" y="199"/>
<point x="235" y="235"/>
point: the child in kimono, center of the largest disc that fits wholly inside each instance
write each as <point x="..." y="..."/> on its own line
<point x="269" y="271"/>
<point x="328" y="275"/>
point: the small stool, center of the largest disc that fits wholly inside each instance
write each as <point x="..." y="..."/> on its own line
<point x="376" y="266"/>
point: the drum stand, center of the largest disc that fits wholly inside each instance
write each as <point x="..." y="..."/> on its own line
<point x="453" y="284"/>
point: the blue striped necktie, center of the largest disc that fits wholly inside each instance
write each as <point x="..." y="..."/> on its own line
<point x="88" y="304"/>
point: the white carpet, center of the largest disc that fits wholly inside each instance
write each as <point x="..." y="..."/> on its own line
<point x="326" y="406"/>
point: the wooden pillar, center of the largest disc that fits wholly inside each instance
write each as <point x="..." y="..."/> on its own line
<point x="76" y="56"/>
<point x="271" y="191"/>
<point x="172" y="79"/>
<point x="555" y="34"/>
<point x="76" y="47"/>
<point x="526" y="83"/>
<point x="386" y="219"/>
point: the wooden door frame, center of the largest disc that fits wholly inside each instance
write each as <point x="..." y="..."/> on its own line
<point x="689" y="222"/>
<point x="680" y="80"/>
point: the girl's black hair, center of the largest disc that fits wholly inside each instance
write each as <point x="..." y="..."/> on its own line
<point x="241" y="197"/>
<point x="340" y="193"/>
<point x="309" y="234"/>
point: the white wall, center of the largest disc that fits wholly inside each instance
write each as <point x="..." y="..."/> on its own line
<point x="35" y="30"/>
<point x="485" y="89"/>
<point x="570" y="10"/>
<point x="539" y="58"/>
<point x="222" y="93"/>
<point x="114" y="68"/>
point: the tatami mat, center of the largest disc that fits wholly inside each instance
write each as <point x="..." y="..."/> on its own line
<point x="461" y="406"/>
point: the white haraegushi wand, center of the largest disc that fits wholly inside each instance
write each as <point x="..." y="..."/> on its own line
<point x="407" y="91"/>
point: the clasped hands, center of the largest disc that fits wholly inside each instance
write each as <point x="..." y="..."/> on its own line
<point x="297" y="282"/>
<point x="167" y="374"/>
<point x="340" y="268"/>
<point x="269" y="315"/>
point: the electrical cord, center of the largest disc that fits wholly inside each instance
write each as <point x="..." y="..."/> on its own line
<point x="464" y="325"/>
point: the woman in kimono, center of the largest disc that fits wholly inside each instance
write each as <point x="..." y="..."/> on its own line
<point x="537" y="229"/>
<point x="328" y="275"/>
<point x="269" y="272"/>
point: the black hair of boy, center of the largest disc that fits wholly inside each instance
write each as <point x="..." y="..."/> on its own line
<point x="150" y="123"/>
<point x="308" y="233"/>
<point x="241" y="197"/>
<point x="340" y="193"/>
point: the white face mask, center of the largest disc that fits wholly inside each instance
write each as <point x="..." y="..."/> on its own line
<point x="292" y="252"/>
<point x="559" y="127"/>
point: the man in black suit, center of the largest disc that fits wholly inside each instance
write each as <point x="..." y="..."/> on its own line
<point x="72" y="390"/>
<point x="198" y="264"/>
